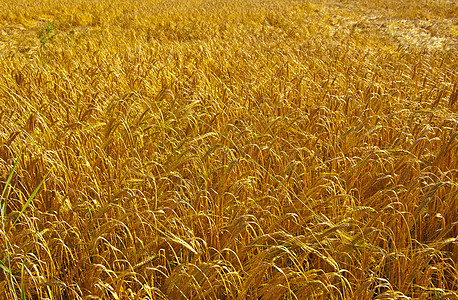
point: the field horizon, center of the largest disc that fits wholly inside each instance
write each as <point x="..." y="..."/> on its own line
<point x="224" y="149"/>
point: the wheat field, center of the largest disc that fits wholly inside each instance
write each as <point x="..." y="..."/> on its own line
<point x="229" y="149"/>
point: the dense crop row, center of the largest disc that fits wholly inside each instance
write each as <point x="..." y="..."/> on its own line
<point x="228" y="149"/>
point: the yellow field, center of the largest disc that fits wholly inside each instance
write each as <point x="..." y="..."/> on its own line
<point x="270" y="149"/>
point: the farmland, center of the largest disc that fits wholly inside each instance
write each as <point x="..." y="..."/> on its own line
<point x="249" y="149"/>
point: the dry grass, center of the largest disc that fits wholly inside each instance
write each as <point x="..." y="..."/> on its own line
<point x="229" y="149"/>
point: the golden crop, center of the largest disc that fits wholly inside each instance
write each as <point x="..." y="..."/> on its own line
<point x="228" y="149"/>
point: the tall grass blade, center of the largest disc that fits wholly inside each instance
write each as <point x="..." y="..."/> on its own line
<point x="31" y="197"/>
